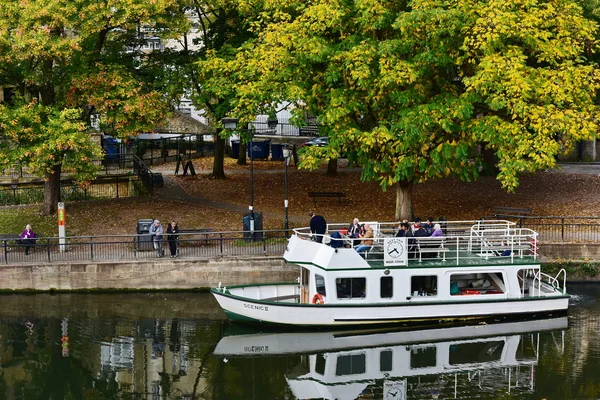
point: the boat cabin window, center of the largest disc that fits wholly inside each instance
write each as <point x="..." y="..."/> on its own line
<point x="385" y="360"/>
<point x="320" y="283"/>
<point x="351" y="288"/>
<point x="320" y="364"/>
<point x="477" y="283"/>
<point x="387" y="287"/>
<point x="351" y="364"/>
<point x="423" y="285"/>
<point x="423" y="357"/>
<point x="478" y="352"/>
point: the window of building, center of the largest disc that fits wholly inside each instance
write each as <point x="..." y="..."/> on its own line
<point x="387" y="287"/>
<point x="320" y="283"/>
<point x="423" y="285"/>
<point x="351" y="288"/>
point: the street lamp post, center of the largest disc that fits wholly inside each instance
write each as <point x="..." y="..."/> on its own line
<point x="231" y="124"/>
<point x="287" y="154"/>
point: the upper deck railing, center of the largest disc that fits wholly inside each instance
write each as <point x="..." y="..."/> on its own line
<point x="462" y="242"/>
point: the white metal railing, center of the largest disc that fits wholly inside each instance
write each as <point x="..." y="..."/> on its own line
<point x="553" y="281"/>
<point x="462" y="240"/>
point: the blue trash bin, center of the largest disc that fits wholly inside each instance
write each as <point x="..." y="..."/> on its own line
<point x="277" y="151"/>
<point x="235" y="148"/>
<point x="260" y="149"/>
<point x="112" y="148"/>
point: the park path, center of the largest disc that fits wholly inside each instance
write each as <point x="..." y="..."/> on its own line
<point x="172" y="191"/>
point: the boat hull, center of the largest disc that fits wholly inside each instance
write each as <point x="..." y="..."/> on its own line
<point x="243" y="309"/>
<point x="307" y="342"/>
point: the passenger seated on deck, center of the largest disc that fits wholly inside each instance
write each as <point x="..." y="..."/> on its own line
<point x="336" y="240"/>
<point x="416" y="224"/>
<point x="367" y="241"/>
<point x="403" y="230"/>
<point x="410" y="242"/>
<point x="437" y="231"/>
<point x="429" y="227"/>
<point x="354" y="228"/>
<point x="421" y="233"/>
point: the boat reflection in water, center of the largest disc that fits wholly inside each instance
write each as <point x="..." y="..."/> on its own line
<point x="416" y="364"/>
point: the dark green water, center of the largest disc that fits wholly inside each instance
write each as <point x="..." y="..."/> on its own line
<point x="161" y="346"/>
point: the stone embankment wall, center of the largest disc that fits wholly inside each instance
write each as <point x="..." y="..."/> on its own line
<point x="570" y="252"/>
<point x="182" y="274"/>
<point x="153" y="274"/>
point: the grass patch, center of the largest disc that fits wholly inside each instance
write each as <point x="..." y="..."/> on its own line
<point x="13" y="220"/>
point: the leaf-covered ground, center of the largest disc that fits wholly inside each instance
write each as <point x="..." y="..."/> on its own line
<point x="547" y="193"/>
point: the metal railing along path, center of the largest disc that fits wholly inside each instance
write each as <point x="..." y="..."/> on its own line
<point x="559" y="229"/>
<point x="140" y="247"/>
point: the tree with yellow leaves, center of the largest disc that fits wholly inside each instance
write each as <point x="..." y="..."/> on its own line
<point x="412" y="89"/>
<point x="64" y="61"/>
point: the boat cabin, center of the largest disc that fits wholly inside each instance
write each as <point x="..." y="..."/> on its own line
<point x="492" y="259"/>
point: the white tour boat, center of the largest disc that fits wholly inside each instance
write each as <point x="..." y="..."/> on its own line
<point x="390" y="364"/>
<point x="476" y="270"/>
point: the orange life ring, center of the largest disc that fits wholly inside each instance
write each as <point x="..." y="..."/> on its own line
<point x="318" y="299"/>
<point x="469" y="292"/>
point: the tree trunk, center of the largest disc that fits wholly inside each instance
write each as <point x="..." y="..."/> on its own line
<point x="52" y="191"/>
<point x="332" y="167"/>
<point x="404" y="206"/>
<point x="218" y="165"/>
<point x="242" y="156"/>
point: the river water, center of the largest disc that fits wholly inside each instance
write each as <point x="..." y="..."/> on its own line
<point x="179" y="346"/>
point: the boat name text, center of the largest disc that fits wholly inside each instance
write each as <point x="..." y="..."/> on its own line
<point x="256" y="349"/>
<point x="256" y="307"/>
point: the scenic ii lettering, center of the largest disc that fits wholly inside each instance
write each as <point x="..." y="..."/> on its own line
<point x="256" y="307"/>
<point x="256" y="349"/>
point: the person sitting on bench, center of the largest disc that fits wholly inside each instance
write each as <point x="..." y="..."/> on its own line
<point x="27" y="238"/>
<point x="437" y="231"/>
<point x="367" y="241"/>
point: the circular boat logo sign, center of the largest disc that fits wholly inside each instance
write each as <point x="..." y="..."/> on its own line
<point x="395" y="248"/>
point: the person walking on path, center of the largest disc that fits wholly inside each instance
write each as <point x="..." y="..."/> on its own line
<point x="28" y="238"/>
<point x="156" y="230"/>
<point x="318" y="226"/>
<point x="173" y="237"/>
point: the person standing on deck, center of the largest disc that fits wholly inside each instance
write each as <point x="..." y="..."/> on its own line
<point x="318" y="226"/>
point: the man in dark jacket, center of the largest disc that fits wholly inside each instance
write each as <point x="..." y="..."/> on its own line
<point x="318" y="226"/>
<point x="410" y="242"/>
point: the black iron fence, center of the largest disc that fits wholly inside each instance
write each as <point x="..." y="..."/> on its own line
<point x="287" y="129"/>
<point x="166" y="149"/>
<point x="123" y="176"/>
<point x="112" y="187"/>
<point x="141" y="247"/>
<point x="559" y="229"/>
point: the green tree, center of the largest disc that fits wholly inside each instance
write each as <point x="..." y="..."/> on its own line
<point x="70" y="60"/>
<point x="411" y="89"/>
<point x="213" y="26"/>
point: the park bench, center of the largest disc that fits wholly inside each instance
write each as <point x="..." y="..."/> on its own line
<point x="10" y="240"/>
<point x="512" y="211"/>
<point x="498" y="246"/>
<point x="316" y="195"/>
<point x="431" y="245"/>
<point x="189" y="236"/>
